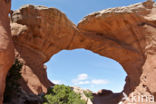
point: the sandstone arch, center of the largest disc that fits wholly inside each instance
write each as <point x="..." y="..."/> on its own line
<point x="125" y="34"/>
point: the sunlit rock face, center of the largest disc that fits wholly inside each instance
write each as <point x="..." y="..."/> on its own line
<point x="125" y="34"/>
<point x="38" y="33"/>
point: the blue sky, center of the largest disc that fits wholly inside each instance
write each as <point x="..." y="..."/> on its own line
<point x="81" y="67"/>
<point x="86" y="69"/>
<point x="76" y="9"/>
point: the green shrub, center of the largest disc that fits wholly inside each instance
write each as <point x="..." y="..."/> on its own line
<point x="12" y="84"/>
<point x="62" y="94"/>
<point x="89" y="94"/>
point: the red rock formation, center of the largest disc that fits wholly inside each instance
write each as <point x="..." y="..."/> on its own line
<point x="6" y="45"/>
<point x="125" y="34"/>
<point x="104" y="92"/>
<point x="38" y="33"/>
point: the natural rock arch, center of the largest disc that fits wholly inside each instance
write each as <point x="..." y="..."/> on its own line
<point x="125" y="34"/>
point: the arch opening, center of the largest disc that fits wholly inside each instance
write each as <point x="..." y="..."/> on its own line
<point x="87" y="70"/>
<point x="114" y="46"/>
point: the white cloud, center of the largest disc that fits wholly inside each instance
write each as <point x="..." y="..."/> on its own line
<point x="79" y="82"/>
<point x="99" y="81"/>
<point x="82" y="82"/>
<point x="82" y="79"/>
<point x="57" y="81"/>
<point x="82" y="76"/>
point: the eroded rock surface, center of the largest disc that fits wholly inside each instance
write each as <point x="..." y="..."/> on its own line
<point x="125" y="34"/>
<point x="6" y="45"/>
<point x="38" y="33"/>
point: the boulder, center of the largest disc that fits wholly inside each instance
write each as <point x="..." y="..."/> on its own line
<point x="104" y="92"/>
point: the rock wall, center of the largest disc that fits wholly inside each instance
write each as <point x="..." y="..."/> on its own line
<point x="125" y="34"/>
<point x="6" y="45"/>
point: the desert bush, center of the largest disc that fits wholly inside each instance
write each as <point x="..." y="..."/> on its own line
<point x="61" y="94"/>
<point x="89" y="94"/>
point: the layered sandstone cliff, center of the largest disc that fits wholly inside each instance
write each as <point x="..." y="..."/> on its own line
<point x="125" y="34"/>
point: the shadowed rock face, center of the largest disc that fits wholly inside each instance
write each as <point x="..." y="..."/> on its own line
<point x="6" y="45"/>
<point x="125" y="34"/>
